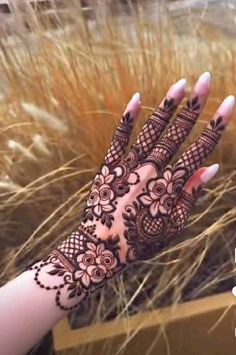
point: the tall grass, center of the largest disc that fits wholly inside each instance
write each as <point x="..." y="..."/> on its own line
<point x="63" y="91"/>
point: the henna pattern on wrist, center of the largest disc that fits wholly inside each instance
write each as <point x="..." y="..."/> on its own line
<point x="80" y="265"/>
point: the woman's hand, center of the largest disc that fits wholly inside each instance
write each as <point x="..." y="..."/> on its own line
<point x="138" y="202"/>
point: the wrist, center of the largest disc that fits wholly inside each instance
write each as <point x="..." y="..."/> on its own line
<point x="79" y="265"/>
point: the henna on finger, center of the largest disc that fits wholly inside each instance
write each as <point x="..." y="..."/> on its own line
<point x="198" y="152"/>
<point x="121" y="136"/>
<point x="155" y="125"/>
<point x="118" y="175"/>
<point x="169" y="144"/>
<point x="188" y="197"/>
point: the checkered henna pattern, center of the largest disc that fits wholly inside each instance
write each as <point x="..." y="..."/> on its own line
<point x="138" y="202"/>
<point x="204" y="145"/>
<point x="169" y="144"/>
<point x="150" y="133"/>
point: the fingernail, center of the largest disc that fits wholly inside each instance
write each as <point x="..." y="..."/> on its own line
<point x="135" y="97"/>
<point x="204" y="78"/>
<point x="203" y="84"/>
<point x="226" y="108"/>
<point x="180" y="84"/>
<point x="209" y="173"/>
<point x="134" y="104"/>
<point x="229" y="101"/>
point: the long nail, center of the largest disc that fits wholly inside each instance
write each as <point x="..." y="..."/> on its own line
<point x="227" y="106"/>
<point x="180" y="85"/>
<point x="202" y="86"/>
<point x="135" y="97"/>
<point x="134" y="104"/>
<point x="209" y="173"/>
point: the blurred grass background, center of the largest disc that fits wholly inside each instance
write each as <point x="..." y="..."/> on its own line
<point x="65" y="79"/>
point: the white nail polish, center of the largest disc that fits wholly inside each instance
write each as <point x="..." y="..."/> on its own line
<point x="229" y="101"/>
<point x="209" y="173"/>
<point x="180" y="84"/>
<point x="135" y="97"/>
<point x="204" y="78"/>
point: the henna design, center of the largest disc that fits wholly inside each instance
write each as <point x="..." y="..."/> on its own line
<point x="149" y="205"/>
<point x="100" y="203"/>
<point x="120" y="140"/>
<point x="149" y="220"/>
<point x="184" y="206"/>
<point x="150" y="133"/>
<point x="114" y="181"/>
<point x="193" y="105"/>
<point x="80" y="265"/>
<point x="202" y="147"/>
<point x="108" y="185"/>
<point x="169" y="144"/>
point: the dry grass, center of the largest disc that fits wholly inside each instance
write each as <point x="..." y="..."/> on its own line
<point x="63" y="94"/>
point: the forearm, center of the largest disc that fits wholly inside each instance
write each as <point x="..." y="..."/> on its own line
<point x="27" y="314"/>
<point x="36" y="300"/>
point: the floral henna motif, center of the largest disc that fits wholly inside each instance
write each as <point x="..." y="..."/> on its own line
<point x="162" y="192"/>
<point x="78" y="266"/>
<point x="149" y="205"/>
<point x="100" y="203"/>
<point x="114" y="180"/>
<point x="149" y="219"/>
<point x="108" y="185"/>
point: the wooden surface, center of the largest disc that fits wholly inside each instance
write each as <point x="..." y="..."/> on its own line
<point x="205" y="326"/>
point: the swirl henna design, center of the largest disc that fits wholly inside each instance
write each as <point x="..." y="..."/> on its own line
<point x="136" y="206"/>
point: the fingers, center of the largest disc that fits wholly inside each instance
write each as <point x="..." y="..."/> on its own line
<point x="156" y="124"/>
<point x="198" y="152"/>
<point x="121" y="136"/>
<point x="170" y="142"/>
<point x="188" y="196"/>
